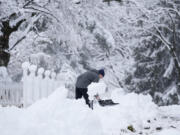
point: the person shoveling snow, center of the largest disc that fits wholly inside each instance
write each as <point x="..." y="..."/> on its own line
<point x="84" y="80"/>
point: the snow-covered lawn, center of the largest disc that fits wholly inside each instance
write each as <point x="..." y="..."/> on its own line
<point x="57" y="115"/>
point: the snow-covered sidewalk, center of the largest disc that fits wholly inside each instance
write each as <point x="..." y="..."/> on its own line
<point x="57" y="115"/>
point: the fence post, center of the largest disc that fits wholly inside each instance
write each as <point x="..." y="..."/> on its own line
<point x="59" y="79"/>
<point x="25" y="67"/>
<point x="40" y="80"/>
<point x="53" y="81"/>
<point x="46" y="80"/>
<point x="32" y="86"/>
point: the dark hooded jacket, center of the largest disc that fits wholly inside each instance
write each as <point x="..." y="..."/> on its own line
<point x="87" y="78"/>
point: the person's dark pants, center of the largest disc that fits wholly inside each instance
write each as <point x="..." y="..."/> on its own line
<point x="82" y="92"/>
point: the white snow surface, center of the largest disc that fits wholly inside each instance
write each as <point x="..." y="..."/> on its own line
<point x="58" y="115"/>
<point x="168" y="132"/>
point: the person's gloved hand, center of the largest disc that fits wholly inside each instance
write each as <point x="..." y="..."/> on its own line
<point x="97" y="97"/>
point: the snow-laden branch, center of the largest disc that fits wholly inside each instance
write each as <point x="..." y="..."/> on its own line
<point x="24" y="34"/>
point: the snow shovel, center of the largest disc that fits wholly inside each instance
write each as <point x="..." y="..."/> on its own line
<point x="107" y="102"/>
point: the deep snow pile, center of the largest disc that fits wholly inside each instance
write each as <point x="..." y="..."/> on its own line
<point x="58" y="115"/>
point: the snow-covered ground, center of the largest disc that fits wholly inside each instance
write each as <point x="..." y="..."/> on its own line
<point x="57" y="115"/>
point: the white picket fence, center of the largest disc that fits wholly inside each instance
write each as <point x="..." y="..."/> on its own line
<point x="36" y="84"/>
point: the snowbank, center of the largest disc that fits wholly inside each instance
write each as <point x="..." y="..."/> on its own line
<point x="57" y="115"/>
<point x="52" y="116"/>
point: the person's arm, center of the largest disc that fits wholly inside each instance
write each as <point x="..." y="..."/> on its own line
<point x="94" y="70"/>
<point x="96" y="79"/>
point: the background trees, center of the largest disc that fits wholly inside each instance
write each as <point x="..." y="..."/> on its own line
<point x="157" y="57"/>
<point x="136" y="40"/>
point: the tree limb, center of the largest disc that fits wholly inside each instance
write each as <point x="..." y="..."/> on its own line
<point x="43" y="12"/>
<point x="17" y="42"/>
<point x="27" y="3"/>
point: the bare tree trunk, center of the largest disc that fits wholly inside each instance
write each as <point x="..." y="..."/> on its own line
<point x="4" y="58"/>
<point x="7" y="30"/>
